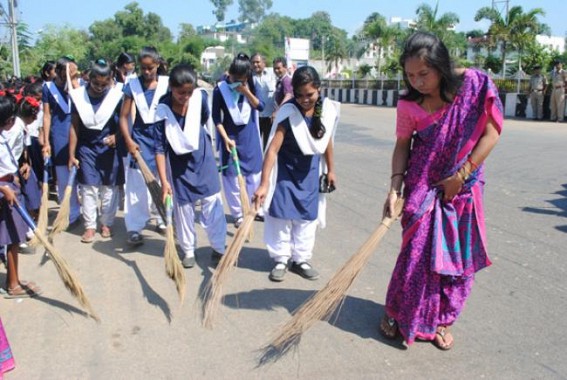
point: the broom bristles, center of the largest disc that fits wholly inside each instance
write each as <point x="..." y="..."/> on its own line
<point x="61" y="221"/>
<point x="70" y="280"/>
<point x="173" y="266"/>
<point x="213" y="292"/>
<point x="245" y="200"/>
<point x="325" y="302"/>
<point x="42" y="217"/>
<point x="152" y="184"/>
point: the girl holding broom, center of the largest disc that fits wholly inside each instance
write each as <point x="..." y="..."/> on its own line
<point x="13" y="229"/>
<point x="56" y="126"/>
<point x="235" y="114"/>
<point x="144" y="91"/>
<point x="447" y="124"/>
<point x="186" y="164"/>
<point x="301" y="133"/>
<point x="92" y="148"/>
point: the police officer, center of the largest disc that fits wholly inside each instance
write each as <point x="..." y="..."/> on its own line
<point x="538" y="85"/>
<point x="558" y="82"/>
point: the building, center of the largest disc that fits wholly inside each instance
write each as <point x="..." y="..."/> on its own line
<point x="211" y="55"/>
<point x="225" y="31"/>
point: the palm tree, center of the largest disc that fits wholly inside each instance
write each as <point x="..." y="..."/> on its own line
<point x="378" y="33"/>
<point x="515" y="31"/>
<point x="442" y="26"/>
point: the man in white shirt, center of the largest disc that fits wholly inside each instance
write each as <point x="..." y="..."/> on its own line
<point x="265" y="82"/>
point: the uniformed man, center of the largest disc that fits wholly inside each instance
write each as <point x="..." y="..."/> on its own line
<point x="559" y="82"/>
<point x="538" y="85"/>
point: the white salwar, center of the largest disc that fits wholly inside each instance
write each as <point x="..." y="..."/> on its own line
<point x="109" y="204"/>
<point x="62" y="172"/>
<point x="211" y="219"/>
<point x="288" y="239"/>
<point x="232" y="192"/>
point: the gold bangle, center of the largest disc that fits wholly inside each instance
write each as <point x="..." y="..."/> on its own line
<point x="396" y="175"/>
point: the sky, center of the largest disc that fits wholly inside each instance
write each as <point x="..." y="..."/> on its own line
<point x="346" y="14"/>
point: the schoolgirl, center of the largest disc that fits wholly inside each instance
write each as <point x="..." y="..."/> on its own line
<point x="187" y="166"/>
<point x="56" y="126"/>
<point x="92" y="148"/>
<point x="235" y="114"/>
<point x="144" y="91"/>
<point x="13" y="229"/>
<point x="290" y="189"/>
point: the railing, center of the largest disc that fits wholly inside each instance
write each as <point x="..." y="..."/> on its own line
<point x="504" y="85"/>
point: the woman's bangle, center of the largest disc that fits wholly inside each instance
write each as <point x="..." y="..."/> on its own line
<point x="396" y="175"/>
<point x="394" y="191"/>
<point x="473" y="165"/>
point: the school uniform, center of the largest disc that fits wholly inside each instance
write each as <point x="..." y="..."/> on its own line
<point x="13" y="229"/>
<point x="293" y="206"/>
<point x="191" y="171"/>
<point x="100" y="167"/>
<point x="60" y="108"/>
<point x="138" y="205"/>
<point x="240" y="121"/>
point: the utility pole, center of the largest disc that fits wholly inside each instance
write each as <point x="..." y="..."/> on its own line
<point x="12" y="23"/>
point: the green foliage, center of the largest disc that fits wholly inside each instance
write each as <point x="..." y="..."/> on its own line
<point x="364" y="70"/>
<point x="493" y="63"/>
<point x="220" y="8"/>
<point x="253" y="10"/>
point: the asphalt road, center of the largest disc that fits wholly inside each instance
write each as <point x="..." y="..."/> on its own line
<point x="513" y="326"/>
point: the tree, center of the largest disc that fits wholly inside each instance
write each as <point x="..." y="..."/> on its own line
<point x="515" y="31"/>
<point x="380" y="35"/>
<point x="441" y="26"/>
<point x="253" y="10"/>
<point x="220" y="8"/>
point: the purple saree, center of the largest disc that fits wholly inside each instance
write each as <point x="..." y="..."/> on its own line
<point x="443" y="243"/>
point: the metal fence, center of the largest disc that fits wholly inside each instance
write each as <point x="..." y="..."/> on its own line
<point x="504" y="85"/>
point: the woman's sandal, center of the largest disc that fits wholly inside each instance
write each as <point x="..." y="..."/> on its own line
<point x="442" y="335"/>
<point x="24" y="290"/>
<point x="389" y="327"/>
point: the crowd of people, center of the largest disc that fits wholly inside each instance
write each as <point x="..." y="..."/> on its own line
<point x="104" y="122"/>
<point x="539" y="87"/>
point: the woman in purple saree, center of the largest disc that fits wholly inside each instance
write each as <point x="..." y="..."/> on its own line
<point x="447" y="124"/>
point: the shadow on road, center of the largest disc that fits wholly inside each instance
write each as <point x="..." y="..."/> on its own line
<point x="559" y="207"/>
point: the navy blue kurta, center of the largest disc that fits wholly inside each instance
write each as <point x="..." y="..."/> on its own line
<point x="296" y="194"/>
<point x="194" y="175"/>
<point x="247" y="137"/>
<point x="60" y="125"/>
<point x="99" y="164"/>
<point x="142" y="133"/>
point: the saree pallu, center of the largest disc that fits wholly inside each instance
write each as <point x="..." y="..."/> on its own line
<point x="6" y="358"/>
<point x="443" y="243"/>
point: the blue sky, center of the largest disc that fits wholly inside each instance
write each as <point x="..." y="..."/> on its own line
<point x="348" y="15"/>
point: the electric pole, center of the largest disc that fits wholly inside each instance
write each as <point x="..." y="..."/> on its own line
<point x="14" y="34"/>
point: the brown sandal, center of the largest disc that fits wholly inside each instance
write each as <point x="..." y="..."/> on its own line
<point x="389" y="327"/>
<point x="440" y="340"/>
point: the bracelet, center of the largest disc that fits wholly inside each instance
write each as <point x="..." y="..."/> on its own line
<point x="396" y="175"/>
<point x="473" y="165"/>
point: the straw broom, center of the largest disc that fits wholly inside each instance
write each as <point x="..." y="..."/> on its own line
<point x="61" y="221"/>
<point x="325" y="302"/>
<point x="152" y="184"/>
<point x="65" y="273"/>
<point x="44" y="206"/>
<point x="213" y="292"/>
<point x="244" y="198"/>
<point x="173" y="266"/>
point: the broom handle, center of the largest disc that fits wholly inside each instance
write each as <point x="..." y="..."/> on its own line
<point x="72" y="175"/>
<point x="25" y="216"/>
<point x="46" y="163"/>
<point x="236" y="161"/>
<point x="143" y="166"/>
<point x="168" y="210"/>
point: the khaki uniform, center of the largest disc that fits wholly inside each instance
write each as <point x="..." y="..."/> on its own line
<point x="557" y="103"/>
<point x="538" y="83"/>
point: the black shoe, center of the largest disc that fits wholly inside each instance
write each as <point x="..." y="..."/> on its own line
<point x="305" y="270"/>
<point x="215" y="258"/>
<point x="278" y="273"/>
<point x="259" y="218"/>
<point x="135" y="239"/>
<point x="188" y="262"/>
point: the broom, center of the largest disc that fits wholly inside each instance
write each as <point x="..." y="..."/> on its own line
<point x="324" y="303"/>
<point x="44" y="207"/>
<point x="173" y="266"/>
<point x="212" y="294"/>
<point x="61" y="221"/>
<point x="65" y="273"/>
<point x="152" y="184"/>
<point x="244" y="199"/>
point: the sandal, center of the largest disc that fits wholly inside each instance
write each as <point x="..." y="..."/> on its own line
<point x="389" y="327"/>
<point x="23" y="291"/>
<point x="88" y="236"/>
<point x="105" y="232"/>
<point x="442" y="335"/>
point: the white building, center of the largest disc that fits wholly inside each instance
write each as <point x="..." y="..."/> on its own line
<point x="552" y="43"/>
<point x="211" y="55"/>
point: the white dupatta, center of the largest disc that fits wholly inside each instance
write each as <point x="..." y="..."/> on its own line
<point x="186" y="140"/>
<point x="148" y="111"/>
<point x="239" y="117"/>
<point x="65" y="105"/>
<point x="91" y="119"/>
<point x="307" y="144"/>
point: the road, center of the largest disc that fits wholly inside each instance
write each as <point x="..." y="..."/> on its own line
<point x="513" y="326"/>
